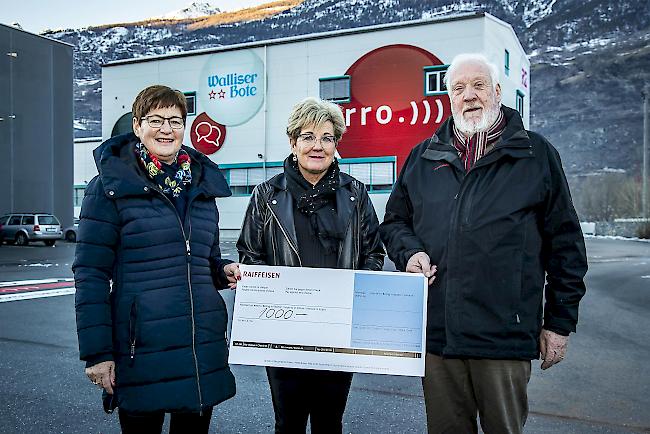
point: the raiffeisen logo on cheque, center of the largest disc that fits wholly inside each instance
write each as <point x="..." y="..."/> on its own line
<point x="231" y="89"/>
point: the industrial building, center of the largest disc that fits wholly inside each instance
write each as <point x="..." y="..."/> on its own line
<point x="386" y="78"/>
<point x="36" y="124"/>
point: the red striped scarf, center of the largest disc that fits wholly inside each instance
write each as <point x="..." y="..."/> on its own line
<point x="471" y="149"/>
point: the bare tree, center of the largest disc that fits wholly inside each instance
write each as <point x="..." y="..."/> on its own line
<point x="607" y="196"/>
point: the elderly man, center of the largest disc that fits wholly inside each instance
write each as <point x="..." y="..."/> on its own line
<point x="483" y="209"/>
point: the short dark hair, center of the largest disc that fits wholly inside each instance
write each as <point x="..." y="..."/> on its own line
<point x="158" y="96"/>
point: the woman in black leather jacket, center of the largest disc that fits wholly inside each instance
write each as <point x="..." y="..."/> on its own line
<point x="311" y="215"/>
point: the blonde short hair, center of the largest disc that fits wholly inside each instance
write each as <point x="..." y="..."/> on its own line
<point x="313" y="111"/>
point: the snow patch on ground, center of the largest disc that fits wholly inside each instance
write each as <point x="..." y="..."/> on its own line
<point x="611" y="237"/>
<point x="78" y="125"/>
<point x="87" y="82"/>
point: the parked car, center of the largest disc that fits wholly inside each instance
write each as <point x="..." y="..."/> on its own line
<point x="21" y="228"/>
<point x="70" y="233"/>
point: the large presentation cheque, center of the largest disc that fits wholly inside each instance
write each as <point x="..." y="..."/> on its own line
<point x="336" y="320"/>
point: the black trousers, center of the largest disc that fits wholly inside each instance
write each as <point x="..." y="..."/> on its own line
<point x="152" y="423"/>
<point x="301" y="393"/>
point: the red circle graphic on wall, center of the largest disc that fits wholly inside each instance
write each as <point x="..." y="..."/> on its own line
<point x="207" y="135"/>
<point x="389" y="113"/>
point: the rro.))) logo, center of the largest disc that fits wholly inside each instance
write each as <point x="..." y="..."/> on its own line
<point x="389" y="112"/>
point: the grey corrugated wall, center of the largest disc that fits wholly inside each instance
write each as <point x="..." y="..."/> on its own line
<point x="36" y="130"/>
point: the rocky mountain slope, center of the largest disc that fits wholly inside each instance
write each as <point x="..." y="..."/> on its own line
<point x="589" y="59"/>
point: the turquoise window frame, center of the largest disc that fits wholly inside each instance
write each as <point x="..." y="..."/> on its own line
<point x="506" y="62"/>
<point x="433" y="68"/>
<point x="257" y="165"/>
<point x="520" y="94"/>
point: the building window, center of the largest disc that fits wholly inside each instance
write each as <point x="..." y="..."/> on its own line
<point x="78" y="195"/>
<point x="335" y="89"/>
<point x="190" y="97"/>
<point x="434" y="80"/>
<point x="520" y="103"/>
<point x="377" y="173"/>
<point x="506" y="62"/>
<point x="242" y="180"/>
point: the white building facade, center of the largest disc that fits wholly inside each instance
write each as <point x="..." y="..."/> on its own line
<point x="387" y="80"/>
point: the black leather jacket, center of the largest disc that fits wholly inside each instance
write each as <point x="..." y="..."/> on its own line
<point x="268" y="235"/>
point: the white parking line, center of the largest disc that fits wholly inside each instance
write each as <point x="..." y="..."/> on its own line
<point x="36" y="294"/>
<point x="34" y="282"/>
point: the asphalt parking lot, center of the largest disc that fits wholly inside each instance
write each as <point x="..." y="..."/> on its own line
<point x="603" y="386"/>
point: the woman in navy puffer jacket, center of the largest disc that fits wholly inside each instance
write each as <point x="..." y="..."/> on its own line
<point x="150" y="322"/>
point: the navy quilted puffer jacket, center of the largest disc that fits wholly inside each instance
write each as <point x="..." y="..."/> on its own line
<point x="147" y="284"/>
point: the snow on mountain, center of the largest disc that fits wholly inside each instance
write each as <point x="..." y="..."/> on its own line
<point x="193" y="10"/>
<point x="537" y="10"/>
<point x="589" y="58"/>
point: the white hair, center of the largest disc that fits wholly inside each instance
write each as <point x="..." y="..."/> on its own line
<point x="461" y="59"/>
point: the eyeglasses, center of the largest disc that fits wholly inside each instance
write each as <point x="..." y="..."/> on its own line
<point x="310" y="140"/>
<point x="157" y="122"/>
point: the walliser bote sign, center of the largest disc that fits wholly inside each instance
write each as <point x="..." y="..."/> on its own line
<point x="231" y="92"/>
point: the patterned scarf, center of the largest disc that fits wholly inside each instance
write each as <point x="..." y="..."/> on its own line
<point x="471" y="149"/>
<point x="153" y="167"/>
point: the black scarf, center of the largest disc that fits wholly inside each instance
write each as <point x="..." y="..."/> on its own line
<point x="318" y="202"/>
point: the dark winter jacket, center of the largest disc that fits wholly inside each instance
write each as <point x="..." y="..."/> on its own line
<point x="493" y="232"/>
<point x="147" y="284"/>
<point x="268" y="235"/>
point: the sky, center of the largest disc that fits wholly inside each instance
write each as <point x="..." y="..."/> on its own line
<point x="38" y="15"/>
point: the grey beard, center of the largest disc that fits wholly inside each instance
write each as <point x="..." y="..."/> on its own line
<point x="470" y="128"/>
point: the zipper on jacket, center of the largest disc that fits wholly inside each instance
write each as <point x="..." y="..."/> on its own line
<point x="189" y="283"/>
<point x="454" y="250"/>
<point x="133" y="316"/>
<point x="295" y="250"/>
<point x="465" y="210"/>
<point x="188" y="252"/>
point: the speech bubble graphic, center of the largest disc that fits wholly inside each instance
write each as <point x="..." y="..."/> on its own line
<point x="207" y="135"/>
